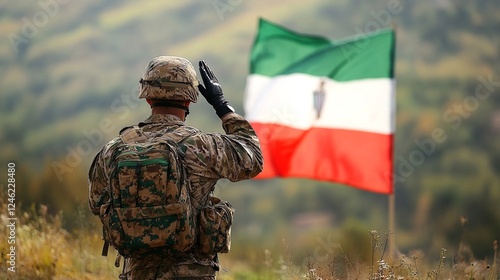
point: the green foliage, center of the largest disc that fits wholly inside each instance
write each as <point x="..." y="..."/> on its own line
<point x="45" y="250"/>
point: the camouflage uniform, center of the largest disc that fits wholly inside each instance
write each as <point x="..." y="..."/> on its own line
<point x="209" y="157"/>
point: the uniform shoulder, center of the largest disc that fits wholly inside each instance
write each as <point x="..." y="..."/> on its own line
<point x="108" y="149"/>
<point x="189" y="129"/>
<point x="185" y="132"/>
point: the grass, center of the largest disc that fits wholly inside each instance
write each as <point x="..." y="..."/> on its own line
<point x="45" y="250"/>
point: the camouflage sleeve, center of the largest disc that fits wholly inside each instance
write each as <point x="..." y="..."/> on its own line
<point x="97" y="183"/>
<point x="235" y="156"/>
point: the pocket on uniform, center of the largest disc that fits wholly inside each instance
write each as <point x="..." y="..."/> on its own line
<point x="215" y="223"/>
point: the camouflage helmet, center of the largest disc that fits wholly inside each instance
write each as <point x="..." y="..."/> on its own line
<point x="169" y="77"/>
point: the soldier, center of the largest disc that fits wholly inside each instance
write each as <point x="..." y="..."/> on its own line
<point x="169" y="85"/>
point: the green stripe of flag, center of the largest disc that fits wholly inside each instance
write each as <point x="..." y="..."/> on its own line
<point x="279" y="51"/>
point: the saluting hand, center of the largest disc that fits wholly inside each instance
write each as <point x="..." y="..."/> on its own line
<point x="212" y="91"/>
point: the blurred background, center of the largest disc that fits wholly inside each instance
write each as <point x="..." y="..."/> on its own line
<point x="69" y="72"/>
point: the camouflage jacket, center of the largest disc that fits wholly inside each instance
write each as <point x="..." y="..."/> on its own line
<point x="208" y="157"/>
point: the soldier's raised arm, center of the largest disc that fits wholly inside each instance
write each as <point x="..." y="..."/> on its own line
<point x="235" y="155"/>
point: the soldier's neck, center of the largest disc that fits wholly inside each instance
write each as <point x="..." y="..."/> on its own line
<point x="170" y="111"/>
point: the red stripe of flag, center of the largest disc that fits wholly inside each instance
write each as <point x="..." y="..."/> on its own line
<point x="357" y="158"/>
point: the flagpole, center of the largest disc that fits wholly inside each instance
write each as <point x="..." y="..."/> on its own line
<point x="392" y="196"/>
<point x="392" y="225"/>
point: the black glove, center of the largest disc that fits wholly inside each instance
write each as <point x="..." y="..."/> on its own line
<point x="212" y="91"/>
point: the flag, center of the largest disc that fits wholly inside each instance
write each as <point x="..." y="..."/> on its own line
<point x="322" y="109"/>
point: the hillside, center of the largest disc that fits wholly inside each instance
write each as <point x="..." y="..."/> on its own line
<point x="69" y="72"/>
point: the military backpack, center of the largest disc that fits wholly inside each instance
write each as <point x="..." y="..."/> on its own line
<point x="149" y="208"/>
